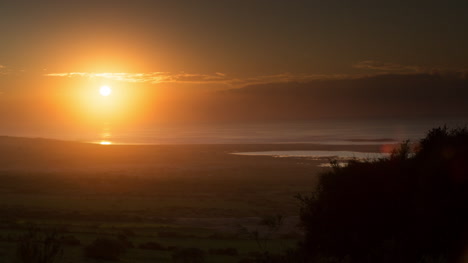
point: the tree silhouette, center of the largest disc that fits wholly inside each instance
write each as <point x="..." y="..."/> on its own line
<point x="407" y="208"/>
<point x="40" y="246"/>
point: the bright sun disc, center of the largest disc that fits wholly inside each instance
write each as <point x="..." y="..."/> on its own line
<point x="105" y="91"/>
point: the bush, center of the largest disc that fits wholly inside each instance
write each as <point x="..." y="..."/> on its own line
<point x="288" y="256"/>
<point x="127" y="233"/>
<point x="402" y="209"/>
<point x="152" y="246"/>
<point x="224" y="251"/>
<point x="170" y="234"/>
<point x="125" y="241"/>
<point x="39" y="246"/>
<point x="70" y="241"/>
<point x="172" y="248"/>
<point x="105" y="249"/>
<point x="188" y="255"/>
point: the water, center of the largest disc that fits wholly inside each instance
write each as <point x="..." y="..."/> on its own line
<point x="341" y="157"/>
<point x="324" y="132"/>
<point x="321" y="131"/>
<point x="321" y="155"/>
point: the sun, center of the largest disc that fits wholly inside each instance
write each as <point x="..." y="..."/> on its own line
<point x="105" y="91"/>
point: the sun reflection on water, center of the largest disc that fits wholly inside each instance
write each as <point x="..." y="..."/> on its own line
<point x="105" y="135"/>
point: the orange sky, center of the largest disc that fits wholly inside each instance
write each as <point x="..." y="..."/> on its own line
<point x="169" y="60"/>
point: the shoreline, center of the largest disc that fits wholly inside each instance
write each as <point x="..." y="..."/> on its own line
<point x="45" y="155"/>
<point x="156" y="180"/>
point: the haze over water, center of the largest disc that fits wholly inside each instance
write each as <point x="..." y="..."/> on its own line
<point x="374" y="131"/>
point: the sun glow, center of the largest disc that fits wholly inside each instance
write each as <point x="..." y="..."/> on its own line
<point x="86" y="106"/>
<point x="105" y="91"/>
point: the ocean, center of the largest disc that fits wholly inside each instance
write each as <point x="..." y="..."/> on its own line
<point x="351" y="131"/>
<point x="376" y="131"/>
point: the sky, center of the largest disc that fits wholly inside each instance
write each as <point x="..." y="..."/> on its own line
<point x="187" y="60"/>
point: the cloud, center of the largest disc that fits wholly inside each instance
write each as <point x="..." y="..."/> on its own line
<point x="387" y="67"/>
<point x="150" y="77"/>
<point x="383" y="95"/>
<point x="4" y="70"/>
<point x="220" y="78"/>
<point x="182" y="77"/>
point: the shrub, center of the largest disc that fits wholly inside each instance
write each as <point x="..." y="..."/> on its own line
<point x="402" y="209"/>
<point x="70" y="241"/>
<point x="39" y="246"/>
<point x="188" y="255"/>
<point x="152" y="246"/>
<point x="224" y="251"/>
<point x="172" y="248"/>
<point x="125" y="241"/>
<point x="127" y="233"/>
<point x="105" y="249"/>
<point x="170" y="234"/>
<point x="288" y="256"/>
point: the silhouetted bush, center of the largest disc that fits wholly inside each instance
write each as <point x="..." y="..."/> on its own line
<point x="172" y="248"/>
<point x="188" y="255"/>
<point x="407" y="208"/>
<point x="169" y="234"/>
<point x="39" y="246"/>
<point x="127" y="233"/>
<point x="152" y="246"/>
<point x="105" y="249"/>
<point x="70" y="240"/>
<point x="224" y="251"/>
<point x="218" y="236"/>
<point x="125" y="241"/>
<point x="246" y="260"/>
<point x="288" y="256"/>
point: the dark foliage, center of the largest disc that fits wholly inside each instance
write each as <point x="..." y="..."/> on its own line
<point x="288" y="256"/>
<point x="152" y="246"/>
<point x="39" y="246"/>
<point x="224" y="251"/>
<point x="105" y="249"/>
<point x="402" y="209"/>
<point x="125" y="241"/>
<point x="188" y="255"/>
<point x="70" y="241"/>
<point x="172" y="248"/>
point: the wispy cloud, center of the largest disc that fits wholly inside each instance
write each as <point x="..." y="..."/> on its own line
<point x="150" y="77"/>
<point x="287" y="77"/>
<point x="3" y="70"/>
<point x="387" y="67"/>
<point x="215" y="78"/>
<point x="227" y="80"/>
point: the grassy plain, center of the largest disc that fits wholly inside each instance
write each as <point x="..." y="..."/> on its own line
<point x="177" y="195"/>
